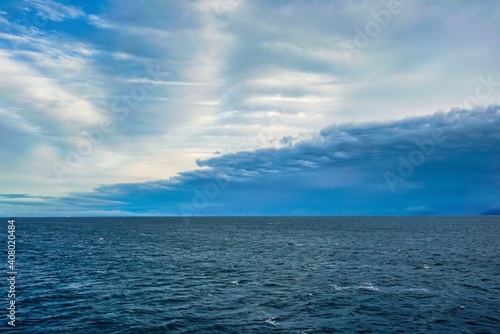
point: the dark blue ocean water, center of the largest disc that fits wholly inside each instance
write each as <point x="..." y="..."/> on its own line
<point x="257" y="275"/>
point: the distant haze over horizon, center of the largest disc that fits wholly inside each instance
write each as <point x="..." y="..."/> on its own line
<point x="188" y="218"/>
<point x="234" y="107"/>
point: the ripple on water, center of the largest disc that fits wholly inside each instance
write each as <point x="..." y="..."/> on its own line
<point x="259" y="275"/>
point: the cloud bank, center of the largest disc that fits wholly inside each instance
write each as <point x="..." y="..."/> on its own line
<point x="339" y="171"/>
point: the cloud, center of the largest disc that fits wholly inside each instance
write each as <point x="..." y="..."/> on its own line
<point x="239" y="76"/>
<point x="55" y="11"/>
<point x="340" y="171"/>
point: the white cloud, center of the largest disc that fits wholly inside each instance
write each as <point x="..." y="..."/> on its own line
<point x="40" y="96"/>
<point x="55" y="11"/>
<point x="218" y="6"/>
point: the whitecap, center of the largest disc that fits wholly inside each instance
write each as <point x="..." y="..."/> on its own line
<point x="418" y="290"/>
<point x="272" y="321"/>
<point x="368" y="286"/>
<point x="338" y="288"/>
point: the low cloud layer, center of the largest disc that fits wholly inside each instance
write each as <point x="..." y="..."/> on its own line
<point x="446" y="163"/>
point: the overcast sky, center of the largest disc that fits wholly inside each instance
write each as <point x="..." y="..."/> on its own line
<point x="229" y="107"/>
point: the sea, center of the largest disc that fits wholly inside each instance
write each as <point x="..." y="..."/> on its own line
<point x="254" y="275"/>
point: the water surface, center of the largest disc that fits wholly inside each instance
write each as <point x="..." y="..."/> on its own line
<point x="258" y="275"/>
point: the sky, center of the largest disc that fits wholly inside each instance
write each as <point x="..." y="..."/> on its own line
<point x="249" y="107"/>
